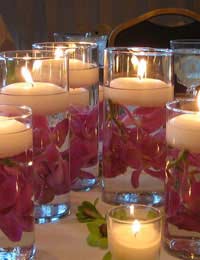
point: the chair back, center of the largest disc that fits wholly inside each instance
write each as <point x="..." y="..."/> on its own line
<point x="141" y="31"/>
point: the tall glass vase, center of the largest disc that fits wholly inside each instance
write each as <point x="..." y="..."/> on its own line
<point x="182" y="188"/>
<point x="16" y="189"/>
<point x="30" y="79"/>
<point x="137" y="85"/>
<point x="83" y="108"/>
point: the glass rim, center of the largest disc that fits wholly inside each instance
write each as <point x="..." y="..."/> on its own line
<point x="26" y="111"/>
<point x="51" y="45"/>
<point x="140" y="51"/>
<point x="148" y="221"/>
<point x="179" y="110"/>
<point x="185" y="41"/>
<point x="11" y="54"/>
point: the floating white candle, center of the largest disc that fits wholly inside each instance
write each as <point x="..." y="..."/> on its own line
<point x="81" y="74"/>
<point x="44" y="98"/>
<point x="15" y="137"/>
<point x="145" y="92"/>
<point x="183" y="132"/>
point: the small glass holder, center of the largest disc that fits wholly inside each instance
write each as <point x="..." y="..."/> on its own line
<point x="182" y="188"/>
<point x="16" y="191"/>
<point x="31" y="79"/>
<point x="134" y="232"/>
<point x="186" y="54"/>
<point x="83" y="108"/>
<point x="137" y="85"/>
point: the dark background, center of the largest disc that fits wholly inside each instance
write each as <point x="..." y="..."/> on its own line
<point x="31" y="21"/>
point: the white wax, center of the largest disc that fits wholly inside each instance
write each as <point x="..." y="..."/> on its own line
<point x="44" y="98"/>
<point x="139" y="92"/>
<point x="80" y="74"/>
<point x="183" y="132"/>
<point x="125" y="245"/>
<point x="79" y="96"/>
<point x="15" y="137"/>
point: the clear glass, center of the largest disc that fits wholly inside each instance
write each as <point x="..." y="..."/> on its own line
<point x="186" y="66"/>
<point x="44" y="88"/>
<point x="100" y="40"/>
<point x="134" y="148"/>
<point x="84" y="110"/>
<point x="16" y="190"/>
<point x="182" y="188"/>
<point x="134" y="232"/>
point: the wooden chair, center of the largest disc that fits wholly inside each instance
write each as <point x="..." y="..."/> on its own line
<point x="141" y="31"/>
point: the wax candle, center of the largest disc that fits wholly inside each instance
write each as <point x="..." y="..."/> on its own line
<point x="81" y="74"/>
<point x="15" y="137"/>
<point x="44" y="98"/>
<point x="140" y="244"/>
<point x="139" y="92"/>
<point x="183" y="132"/>
<point x="78" y="96"/>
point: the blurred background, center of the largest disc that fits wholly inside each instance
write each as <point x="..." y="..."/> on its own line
<point x="23" y="22"/>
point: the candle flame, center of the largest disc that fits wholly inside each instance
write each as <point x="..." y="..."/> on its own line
<point x="27" y="75"/>
<point x="134" y="61"/>
<point x="132" y="209"/>
<point x="142" y="67"/>
<point x="136" y="226"/>
<point x="59" y="52"/>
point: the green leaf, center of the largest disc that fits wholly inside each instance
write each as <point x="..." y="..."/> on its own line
<point x="181" y="158"/>
<point x="107" y="256"/>
<point x="87" y="212"/>
<point x="121" y="214"/>
<point x="151" y="214"/>
<point x="8" y="162"/>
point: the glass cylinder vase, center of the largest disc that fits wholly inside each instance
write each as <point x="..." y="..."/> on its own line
<point x="182" y="229"/>
<point x="16" y="189"/>
<point x="134" y="232"/>
<point x="186" y="59"/>
<point x="31" y="79"/>
<point x="83" y="108"/>
<point x="137" y="85"/>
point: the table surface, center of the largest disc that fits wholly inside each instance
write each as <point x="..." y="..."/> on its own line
<point x="66" y="239"/>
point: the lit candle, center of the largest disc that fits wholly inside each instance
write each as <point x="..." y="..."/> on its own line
<point x="15" y="137"/>
<point x="136" y="241"/>
<point x="139" y="91"/>
<point x="183" y="131"/>
<point x="81" y="74"/>
<point x="44" y="98"/>
<point x="78" y="96"/>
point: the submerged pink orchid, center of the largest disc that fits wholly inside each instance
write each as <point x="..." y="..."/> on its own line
<point x="51" y="169"/>
<point x="135" y="139"/>
<point x="84" y="142"/>
<point x="183" y="190"/>
<point x="16" y="206"/>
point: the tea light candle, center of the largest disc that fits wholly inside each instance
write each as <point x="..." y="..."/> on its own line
<point x="145" y="92"/>
<point x="136" y="241"/>
<point x="183" y="132"/>
<point x="15" y="137"/>
<point x="44" y="98"/>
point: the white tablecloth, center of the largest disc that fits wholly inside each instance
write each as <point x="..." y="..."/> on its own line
<point x="66" y="239"/>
